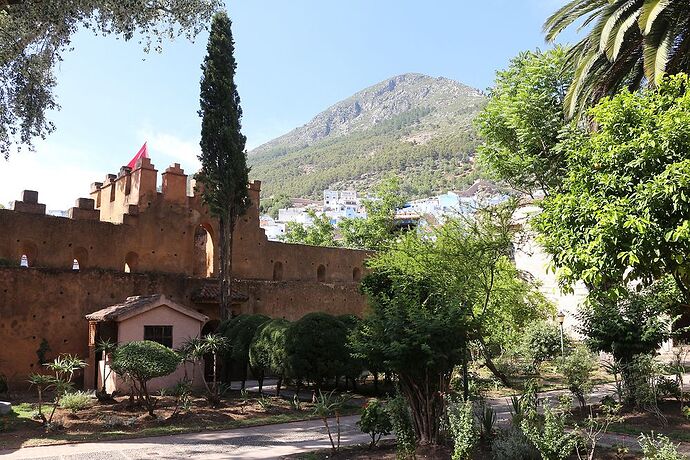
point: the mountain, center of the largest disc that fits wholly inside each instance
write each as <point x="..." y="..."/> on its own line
<point x="414" y="126"/>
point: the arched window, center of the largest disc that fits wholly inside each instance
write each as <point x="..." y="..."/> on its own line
<point x="356" y="274"/>
<point x="203" y="251"/>
<point x="29" y="250"/>
<point x="81" y="255"/>
<point x="75" y="265"/>
<point x="131" y="262"/>
<point x="321" y="274"/>
<point x="278" y="271"/>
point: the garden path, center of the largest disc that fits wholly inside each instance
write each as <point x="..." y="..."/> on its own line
<point x="262" y="442"/>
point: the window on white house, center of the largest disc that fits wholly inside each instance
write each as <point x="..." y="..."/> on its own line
<point x="160" y="334"/>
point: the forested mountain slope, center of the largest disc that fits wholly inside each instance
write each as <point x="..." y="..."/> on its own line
<point x="414" y="126"/>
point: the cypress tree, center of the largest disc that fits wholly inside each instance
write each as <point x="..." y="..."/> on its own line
<point x="224" y="172"/>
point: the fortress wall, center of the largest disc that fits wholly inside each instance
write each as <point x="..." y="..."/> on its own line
<point x="50" y="304"/>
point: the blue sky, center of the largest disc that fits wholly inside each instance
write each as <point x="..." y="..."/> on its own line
<point x="295" y="58"/>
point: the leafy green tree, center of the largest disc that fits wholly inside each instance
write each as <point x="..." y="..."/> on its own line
<point x="523" y="119"/>
<point x="224" y="171"/>
<point x="267" y="351"/>
<point x="320" y="233"/>
<point x="273" y="204"/>
<point x="632" y="323"/>
<point x="239" y="332"/>
<point x="375" y="421"/>
<point x="630" y="43"/>
<point x="141" y="361"/>
<point x="621" y="213"/>
<point x="430" y="296"/>
<point x="316" y="348"/>
<point x="37" y="33"/>
<point x="377" y="230"/>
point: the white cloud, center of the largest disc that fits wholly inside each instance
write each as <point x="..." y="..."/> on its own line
<point x="60" y="177"/>
<point x="168" y="148"/>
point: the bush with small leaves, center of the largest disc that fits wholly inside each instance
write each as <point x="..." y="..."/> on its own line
<point x="462" y="430"/>
<point x="659" y="447"/>
<point x="541" y="342"/>
<point x="74" y="402"/>
<point x="375" y="421"/>
<point x="577" y="369"/>
<point x="549" y="434"/>
<point x="142" y="361"/>
<point x="512" y="444"/>
<point x="401" y="419"/>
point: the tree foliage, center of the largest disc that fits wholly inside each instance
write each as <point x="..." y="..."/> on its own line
<point x="621" y="213"/>
<point x="629" y="44"/>
<point x="631" y="323"/>
<point x="523" y="119"/>
<point x="224" y="172"/>
<point x="316" y="348"/>
<point x="377" y="230"/>
<point x="37" y="33"/>
<point x="141" y="361"/>
<point x="267" y="349"/>
<point x="320" y="233"/>
<point x="431" y="295"/>
<point x="239" y="332"/>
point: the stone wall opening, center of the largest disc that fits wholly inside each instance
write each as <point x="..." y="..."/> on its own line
<point x="81" y="255"/>
<point x="131" y="262"/>
<point x="321" y="274"/>
<point x="203" y="251"/>
<point x="29" y="250"/>
<point x="356" y="274"/>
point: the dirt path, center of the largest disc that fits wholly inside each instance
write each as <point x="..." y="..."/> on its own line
<point x="271" y="441"/>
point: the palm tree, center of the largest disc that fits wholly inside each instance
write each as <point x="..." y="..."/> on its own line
<point x="631" y="43"/>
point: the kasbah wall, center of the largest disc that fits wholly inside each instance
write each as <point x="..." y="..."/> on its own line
<point x="129" y="239"/>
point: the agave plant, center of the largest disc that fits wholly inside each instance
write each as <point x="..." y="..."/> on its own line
<point x="631" y="43"/>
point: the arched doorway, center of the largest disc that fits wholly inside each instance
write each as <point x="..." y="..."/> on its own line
<point x="203" y="251"/>
<point x="131" y="262"/>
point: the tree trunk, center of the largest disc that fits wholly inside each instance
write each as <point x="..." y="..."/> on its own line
<point x="492" y="367"/>
<point x="227" y="225"/>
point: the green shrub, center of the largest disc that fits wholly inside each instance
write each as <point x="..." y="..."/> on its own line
<point x="401" y="420"/>
<point x="316" y="348"/>
<point x="375" y="421"/>
<point x="74" y="402"/>
<point x="142" y="361"/>
<point x="512" y="444"/>
<point x="658" y="447"/>
<point x="541" y="342"/>
<point x="461" y="424"/>
<point x="267" y="350"/>
<point x="577" y="368"/>
<point x="549" y="434"/>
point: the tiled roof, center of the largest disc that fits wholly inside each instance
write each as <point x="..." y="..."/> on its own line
<point x="210" y="293"/>
<point x="132" y="303"/>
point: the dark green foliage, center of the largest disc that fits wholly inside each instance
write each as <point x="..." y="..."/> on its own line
<point x="272" y="204"/>
<point x="239" y="332"/>
<point x="375" y="421"/>
<point x="636" y="323"/>
<point x="224" y="171"/>
<point x="142" y="361"/>
<point x="267" y="349"/>
<point x="403" y="429"/>
<point x="577" y="368"/>
<point x="316" y="348"/>
<point x="354" y="366"/>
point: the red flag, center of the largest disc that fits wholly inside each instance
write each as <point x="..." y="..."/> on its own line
<point x="142" y="153"/>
